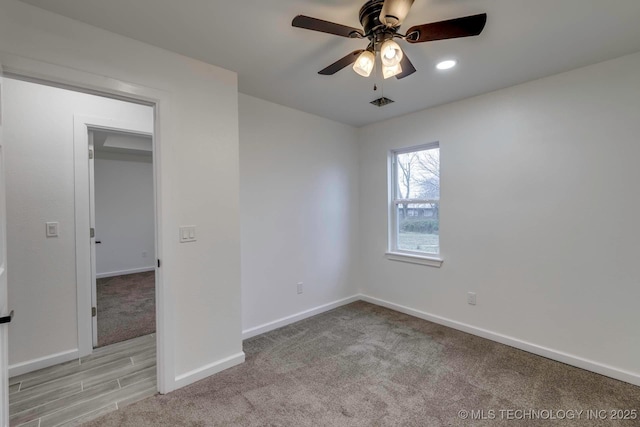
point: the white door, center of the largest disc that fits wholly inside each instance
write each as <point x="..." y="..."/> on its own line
<point x="4" y="355"/>
<point x="92" y="224"/>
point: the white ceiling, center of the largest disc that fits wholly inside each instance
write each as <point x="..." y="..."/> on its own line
<point x="121" y="142"/>
<point x="523" y="40"/>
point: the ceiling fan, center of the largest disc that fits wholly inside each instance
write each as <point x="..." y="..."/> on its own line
<point x="381" y="20"/>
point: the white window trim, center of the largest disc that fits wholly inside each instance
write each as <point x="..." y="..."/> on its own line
<point x="394" y="254"/>
<point x="411" y="258"/>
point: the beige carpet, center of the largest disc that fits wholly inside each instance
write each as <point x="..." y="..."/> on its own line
<point x="362" y="365"/>
<point x="126" y="307"/>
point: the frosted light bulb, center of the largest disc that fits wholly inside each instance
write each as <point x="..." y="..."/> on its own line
<point x="391" y="53"/>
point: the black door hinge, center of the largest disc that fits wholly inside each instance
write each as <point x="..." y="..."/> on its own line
<point x="7" y="319"/>
<point x="158" y="263"/>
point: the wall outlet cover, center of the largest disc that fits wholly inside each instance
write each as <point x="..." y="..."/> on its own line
<point x="471" y="298"/>
<point x="52" y="229"/>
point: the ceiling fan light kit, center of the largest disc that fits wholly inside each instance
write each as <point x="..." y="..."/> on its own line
<point x="391" y="70"/>
<point x="365" y="63"/>
<point x="381" y="21"/>
<point x="390" y="53"/>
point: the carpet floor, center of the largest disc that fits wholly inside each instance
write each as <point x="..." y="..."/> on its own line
<point x="363" y="365"/>
<point x="126" y="307"/>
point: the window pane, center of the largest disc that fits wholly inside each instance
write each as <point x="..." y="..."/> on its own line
<point x="419" y="227"/>
<point x="418" y="175"/>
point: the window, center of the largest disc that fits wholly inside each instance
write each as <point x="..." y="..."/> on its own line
<point x="414" y="226"/>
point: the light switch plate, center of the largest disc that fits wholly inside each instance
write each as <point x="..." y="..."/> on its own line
<point x="52" y="229"/>
<point x="187" y="233"/>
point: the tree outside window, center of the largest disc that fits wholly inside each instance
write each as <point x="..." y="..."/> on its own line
<point x="415" y="216"/>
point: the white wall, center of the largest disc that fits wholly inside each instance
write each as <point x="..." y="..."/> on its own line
<point x="38" y="136"/>
<point x="299" y="205"/>
<point x="539" y="213"/>
<point x="526" y="172"/>
<point x="124" y="213"/>
<point x="200" y="332"/>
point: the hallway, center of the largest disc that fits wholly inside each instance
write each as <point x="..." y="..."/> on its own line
<point x="80" y="390"/>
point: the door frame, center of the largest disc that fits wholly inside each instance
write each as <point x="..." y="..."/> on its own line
<point x="92" y="223"/>
<point x="83" y="196"/>
<point x="4" y="305"/>
<point x="27" y="69"/>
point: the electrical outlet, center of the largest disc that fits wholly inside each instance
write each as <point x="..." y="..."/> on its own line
<point x="300" y="287"/>
<point x="144" y="254"/>
<point x="471" y="298"/>
<point x="52" y="229"/>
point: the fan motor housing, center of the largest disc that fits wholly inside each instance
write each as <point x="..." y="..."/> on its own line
<point x="373" y="28"/>
<point x="370" y="15"/>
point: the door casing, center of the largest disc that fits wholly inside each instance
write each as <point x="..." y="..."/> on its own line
<point x="28" y="69"/>
<point x="4" y="306"/>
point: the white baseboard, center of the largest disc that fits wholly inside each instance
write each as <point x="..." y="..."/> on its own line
<point x="279" y="323"/>
<point x="123" y="272"/>
<point x="569" y="359"/>
<point x="208" y="370"/>
<point x="42" y="362"/>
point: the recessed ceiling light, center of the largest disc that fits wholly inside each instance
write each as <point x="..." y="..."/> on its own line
<point x="446" y="65"/>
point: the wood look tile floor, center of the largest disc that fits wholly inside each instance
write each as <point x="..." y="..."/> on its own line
<point x="81" y="390"/>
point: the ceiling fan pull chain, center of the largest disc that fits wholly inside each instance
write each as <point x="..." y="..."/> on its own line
<point x="381" y="76"/>
<point x="375" y="73"/>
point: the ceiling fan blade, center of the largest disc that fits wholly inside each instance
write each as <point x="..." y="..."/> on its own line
<point x="341" y="63"/>
<point x="451" y="29"/>
<point x="407" y="67"/>
<point x="316" y="24"/>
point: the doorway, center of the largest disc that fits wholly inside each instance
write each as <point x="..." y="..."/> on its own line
<point x="123" y="248"/>
<point x="54" y="369"/>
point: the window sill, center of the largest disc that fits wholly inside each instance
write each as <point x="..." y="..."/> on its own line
<point x="415" y="259"/>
